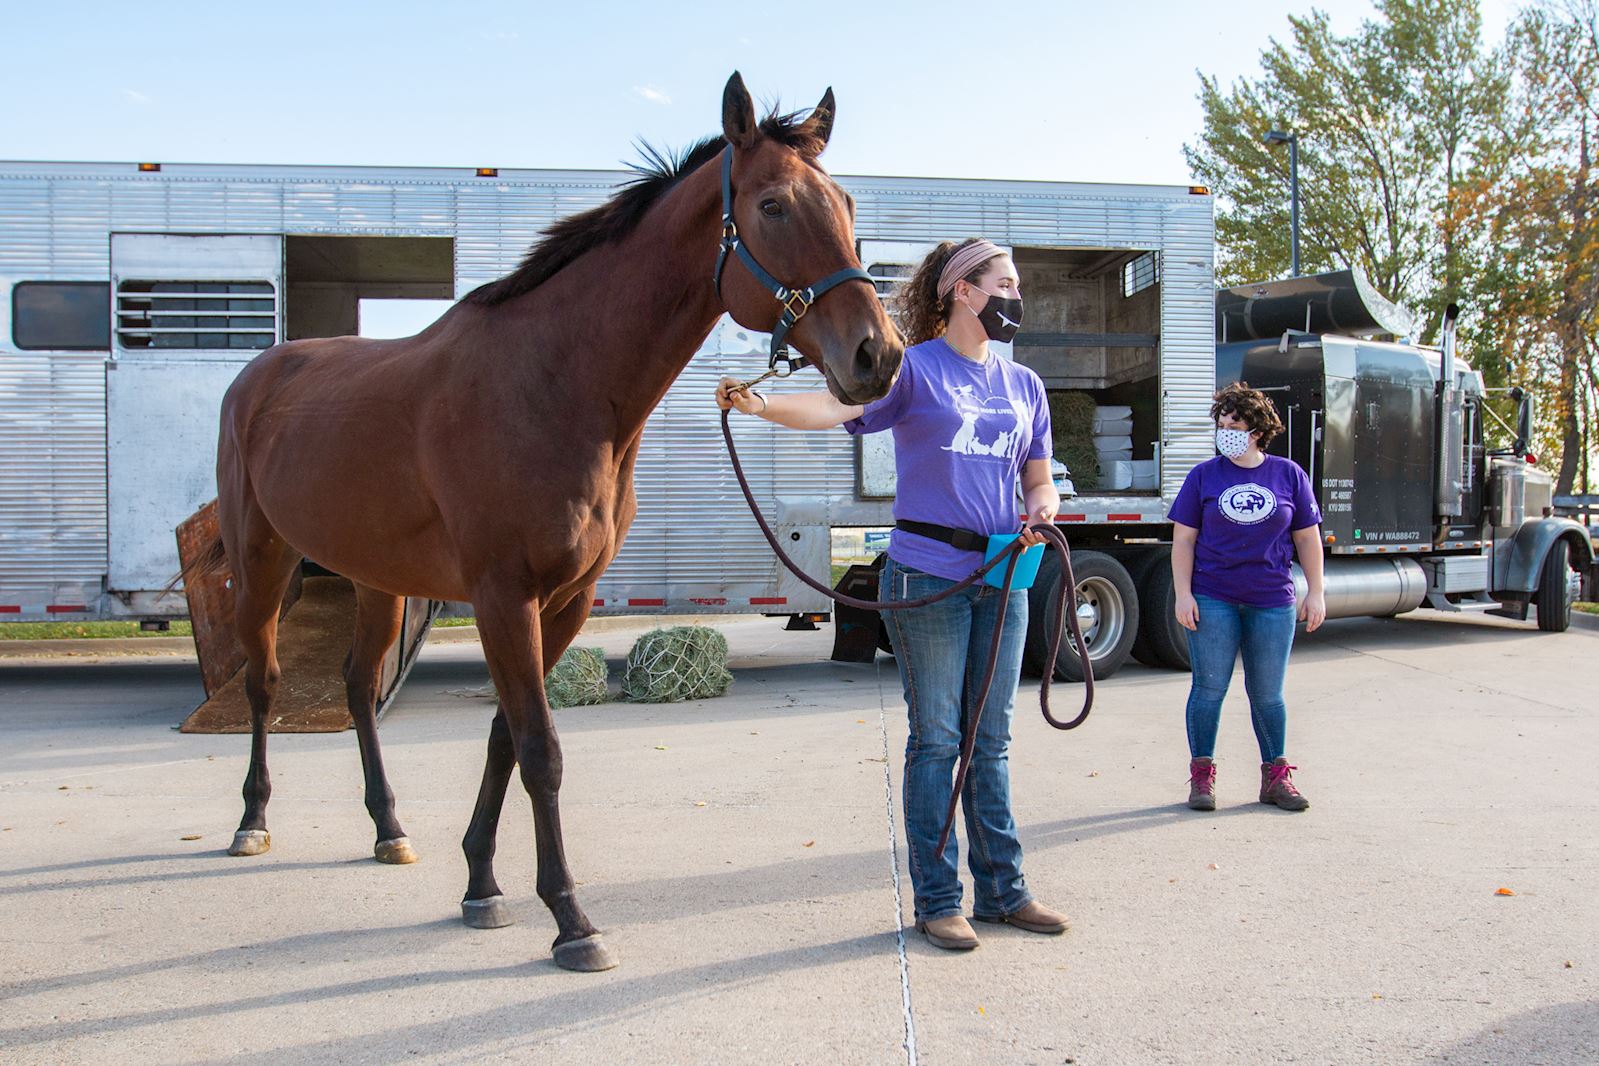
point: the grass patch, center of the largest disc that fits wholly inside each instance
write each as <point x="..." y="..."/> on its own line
<point x="86" y="630"/>
<point x="448" y="623"/>
<point x="1587" y="608"/>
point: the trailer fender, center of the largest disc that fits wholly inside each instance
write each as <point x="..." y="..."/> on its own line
<point x="1531" y="543"/>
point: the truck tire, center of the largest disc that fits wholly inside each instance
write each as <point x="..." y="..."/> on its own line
<point x="1554" y="589"/>
<point x="1107" y="611"/>
<point x="1166" y="640"/>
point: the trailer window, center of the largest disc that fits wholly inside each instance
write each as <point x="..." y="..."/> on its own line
<point x="200" y="315"/>
<point x="72" y="316"/>
<point x="1140" y="274"/>
<point x="885" y="276"/>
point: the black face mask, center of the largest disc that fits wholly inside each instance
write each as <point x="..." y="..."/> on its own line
<point x="1001" y="316"/>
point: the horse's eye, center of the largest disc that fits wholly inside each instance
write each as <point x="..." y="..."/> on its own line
<point x="771" y="208"/>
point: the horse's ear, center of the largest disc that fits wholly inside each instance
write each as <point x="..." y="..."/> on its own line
<point x="821" y="120"/>
<point x="738" y="113"/>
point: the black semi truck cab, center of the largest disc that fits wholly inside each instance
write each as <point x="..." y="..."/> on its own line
<point x="1416" y="509"/>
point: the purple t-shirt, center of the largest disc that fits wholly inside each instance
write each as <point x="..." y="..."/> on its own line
<point x="962" y="431"/>
<point x="1244" y="516"/>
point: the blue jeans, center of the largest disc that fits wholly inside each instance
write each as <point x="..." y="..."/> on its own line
<point x="1264" y="635"/>
<point x="942" y="650"/>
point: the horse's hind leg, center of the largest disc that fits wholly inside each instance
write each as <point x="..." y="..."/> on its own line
<point x="511" y="643"/>
<point x="484" y="905"/>
<point x="378" y="618"/>
<point x="265" y="563"/>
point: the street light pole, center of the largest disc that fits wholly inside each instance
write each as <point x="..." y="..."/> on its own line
<point x="1292" y="141"/>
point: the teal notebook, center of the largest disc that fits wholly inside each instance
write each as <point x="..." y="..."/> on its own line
<point x="1026" y="566"/>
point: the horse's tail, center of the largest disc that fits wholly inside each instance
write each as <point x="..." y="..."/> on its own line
<point x="211" y="561"/>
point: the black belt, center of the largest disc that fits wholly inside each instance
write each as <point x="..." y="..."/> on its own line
<point x="964" y="539"/>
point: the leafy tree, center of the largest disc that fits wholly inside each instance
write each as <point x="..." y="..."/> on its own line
<point x="1537" y="203"/>
<point x="1446" y="171"/>
<point x="1388" y="121"/>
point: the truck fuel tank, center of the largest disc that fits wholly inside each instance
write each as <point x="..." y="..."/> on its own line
<point x="1381" y="586"/>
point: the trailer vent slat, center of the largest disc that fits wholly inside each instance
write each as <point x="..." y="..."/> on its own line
<point x="196" y="315"/>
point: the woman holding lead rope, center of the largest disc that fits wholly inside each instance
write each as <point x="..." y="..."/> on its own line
<point x="967" y="424"/>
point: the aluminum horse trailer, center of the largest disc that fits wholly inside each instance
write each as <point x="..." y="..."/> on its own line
<point x="133" y="293"/>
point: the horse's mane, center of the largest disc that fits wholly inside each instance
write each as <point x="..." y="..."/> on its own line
<point x="657" y="173"/>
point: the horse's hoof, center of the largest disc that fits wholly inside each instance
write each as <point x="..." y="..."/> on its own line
<point x="588" y="955"/>
<point x="250" y="842"/>
<point x="396" y="852"/>
<point x="488" y="913"/>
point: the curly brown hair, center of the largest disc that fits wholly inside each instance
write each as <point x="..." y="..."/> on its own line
<point x="1251" y="407"/>
<point x="921" y="314"/>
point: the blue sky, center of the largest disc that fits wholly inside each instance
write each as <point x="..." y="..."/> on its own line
<point x="1055" y="91"/>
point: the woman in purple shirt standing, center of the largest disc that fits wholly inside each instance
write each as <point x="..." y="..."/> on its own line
<point x="967" y="424"/>
<point x="1238" y="522"/>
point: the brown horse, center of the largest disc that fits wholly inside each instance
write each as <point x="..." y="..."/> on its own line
<point x="489" y="459"/>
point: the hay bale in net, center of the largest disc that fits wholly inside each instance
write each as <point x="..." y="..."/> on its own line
<point x="1071" y="418"/>
<point x="578" y="679"/>
<point x="680" y="663"/>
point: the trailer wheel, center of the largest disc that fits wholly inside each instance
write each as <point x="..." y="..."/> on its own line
<point x="1166" y="640"/>
<point x="1554" y="589"/>
<point x="1107" y="610"/>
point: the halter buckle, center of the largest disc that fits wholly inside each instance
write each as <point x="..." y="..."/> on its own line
<point x="802" y="299"/>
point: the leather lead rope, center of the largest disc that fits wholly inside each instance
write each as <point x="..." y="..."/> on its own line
<point x="1063" y="617"/>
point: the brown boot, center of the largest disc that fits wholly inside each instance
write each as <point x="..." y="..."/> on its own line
<point x="1035" y="918"/>
<point x="1277" y="786"/>
<point x="952" y="934"/>
<point x="1202" y="784"/>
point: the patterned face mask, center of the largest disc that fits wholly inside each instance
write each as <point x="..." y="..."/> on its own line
<point x="1232" y="443"/>
<point x="1001" y="316"/>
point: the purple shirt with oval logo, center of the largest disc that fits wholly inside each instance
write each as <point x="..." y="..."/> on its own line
<point x="1244" y="516"/>
<point x="962" y="431"/>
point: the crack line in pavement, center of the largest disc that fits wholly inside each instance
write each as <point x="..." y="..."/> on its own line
<point x="893" y="865"/>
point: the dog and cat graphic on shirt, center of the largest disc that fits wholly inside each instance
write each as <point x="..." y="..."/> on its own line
<point x="981" y="418"/>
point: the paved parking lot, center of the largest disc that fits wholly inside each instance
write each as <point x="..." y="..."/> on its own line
<point x="741" y="854"/>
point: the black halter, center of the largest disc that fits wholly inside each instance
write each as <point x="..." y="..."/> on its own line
<point x="795" y="301"/>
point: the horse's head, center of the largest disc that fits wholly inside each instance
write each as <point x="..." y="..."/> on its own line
<point x="799" y="225"/>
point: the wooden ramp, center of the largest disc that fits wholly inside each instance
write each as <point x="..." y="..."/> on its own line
<point x="315" y="628"/>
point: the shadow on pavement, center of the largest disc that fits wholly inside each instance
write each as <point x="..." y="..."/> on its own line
<point x="1561" y="1033"/>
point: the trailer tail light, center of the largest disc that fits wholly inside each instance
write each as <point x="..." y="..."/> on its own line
<point x="1532" y="460"/>
<point x="149" y="168"/>
<point x="1331" y="539"/>
<point x="488" y="172"/>
<point x="1199" y="190"/>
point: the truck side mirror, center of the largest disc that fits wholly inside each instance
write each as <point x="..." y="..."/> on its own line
<point x="1524" y="414"/>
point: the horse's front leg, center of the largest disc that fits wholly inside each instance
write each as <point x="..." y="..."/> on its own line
<point x="513" y="646"/>
<point x="484" y="906"/>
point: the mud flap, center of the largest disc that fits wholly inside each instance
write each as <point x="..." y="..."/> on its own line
<point x="857" y="632"/>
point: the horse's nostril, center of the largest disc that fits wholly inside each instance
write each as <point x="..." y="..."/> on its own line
<point x="865" y="358"/>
